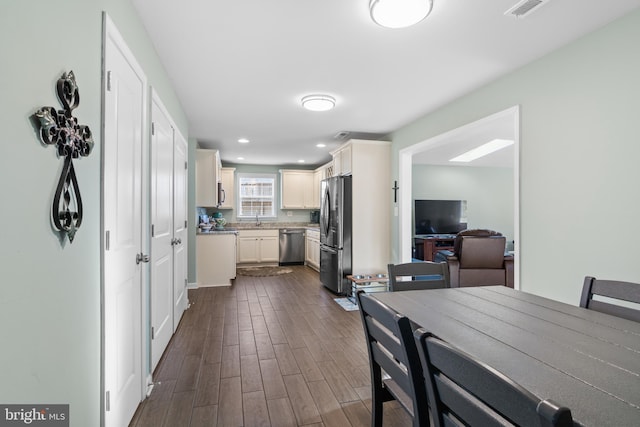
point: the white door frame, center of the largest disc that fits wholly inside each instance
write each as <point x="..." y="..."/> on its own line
<point x="405" y="166"/>
<point x="110" y="32"/>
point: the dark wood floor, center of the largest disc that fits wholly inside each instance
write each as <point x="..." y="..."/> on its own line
<point x="268" y="351"/>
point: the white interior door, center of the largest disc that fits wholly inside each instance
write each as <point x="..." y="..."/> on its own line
<point x="161" y="290"/>
<point x="180" y="212"/>
<point x="124" y="118"/>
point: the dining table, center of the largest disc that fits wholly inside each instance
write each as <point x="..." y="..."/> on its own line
<point x="582" y="359"/>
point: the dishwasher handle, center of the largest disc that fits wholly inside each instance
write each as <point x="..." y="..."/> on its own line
<point x="285" y="231"/>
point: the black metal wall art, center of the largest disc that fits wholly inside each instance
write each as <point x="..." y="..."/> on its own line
<point x="60" y="128"/>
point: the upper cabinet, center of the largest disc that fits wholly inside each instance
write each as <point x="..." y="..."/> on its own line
<point x="342" y="158"/>
<point x="227" y="178"/>
<point x="323" y="172"/>
<point x="297" y="189"/>
<point x="208" y="174"/>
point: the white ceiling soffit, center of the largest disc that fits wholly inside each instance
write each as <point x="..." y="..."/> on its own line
<point x="471" y="136"/>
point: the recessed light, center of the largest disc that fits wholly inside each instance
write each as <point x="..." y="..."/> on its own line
<point x="321" y="145"/>
<point x="243" y="141"/>
<point x="301" y="161"/>
<point x="240" y="158"/>
<point x="483" y="150"/>
<point x="318" y="102"/>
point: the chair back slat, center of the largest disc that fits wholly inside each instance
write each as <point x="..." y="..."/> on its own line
<point x="418" y="276"/>
<point x="462" y="389"/>
<point x="626" y="292"/>
<point x="615" y="310"/>
<point x="459" y="405"/>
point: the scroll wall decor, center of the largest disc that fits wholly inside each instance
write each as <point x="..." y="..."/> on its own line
<point x="60" y="128"/>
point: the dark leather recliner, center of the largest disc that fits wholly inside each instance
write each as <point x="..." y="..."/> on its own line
<point x="479" y="260"/>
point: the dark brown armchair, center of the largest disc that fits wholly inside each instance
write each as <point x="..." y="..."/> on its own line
<point x="479" y="260"/>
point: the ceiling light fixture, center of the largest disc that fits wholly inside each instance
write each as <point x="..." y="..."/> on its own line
<point x="318" y="102"/>
<point x="243" y="141"/>
<point x="321" y="145"/>
<point x="483" y="150"/>
<point x="399" y="13"/>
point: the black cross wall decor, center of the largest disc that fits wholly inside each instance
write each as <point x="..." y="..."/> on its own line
<point x="60" y="128"/>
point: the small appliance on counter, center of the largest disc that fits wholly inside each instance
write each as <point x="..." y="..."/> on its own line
<point x="205" y="224"/>
<point x="219" y="221"/>
<point x="314" y="217"/>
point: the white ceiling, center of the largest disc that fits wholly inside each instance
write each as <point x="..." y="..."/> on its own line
<point x="241" y="67"/>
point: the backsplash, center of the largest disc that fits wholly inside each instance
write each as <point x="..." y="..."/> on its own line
<point x="302" y="216"/>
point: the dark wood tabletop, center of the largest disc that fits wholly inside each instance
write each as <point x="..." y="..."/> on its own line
<point x="582" y="359"/>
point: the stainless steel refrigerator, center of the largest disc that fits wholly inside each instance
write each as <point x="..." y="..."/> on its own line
<point x="335" y="234"/>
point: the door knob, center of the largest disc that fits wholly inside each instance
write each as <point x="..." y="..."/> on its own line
<point x="142" y="258"/>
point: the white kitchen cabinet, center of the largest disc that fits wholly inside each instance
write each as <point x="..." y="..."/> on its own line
<point x="312" y="249"/>
<point x="215" y="259"/>
<point x="257" y="246"/>
<point x="227" y="178"/>
<point x="372" y="205"/>
<point x="208" y="171"/>
<point x="296" y="189"/>
<point x="342" y="160"/>
<point x="318" y="176"/>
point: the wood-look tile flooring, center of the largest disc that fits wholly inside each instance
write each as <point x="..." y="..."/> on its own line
<point x="267" y="351"/>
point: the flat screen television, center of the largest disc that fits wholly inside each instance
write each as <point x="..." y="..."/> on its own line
<point x="440" y="216"/>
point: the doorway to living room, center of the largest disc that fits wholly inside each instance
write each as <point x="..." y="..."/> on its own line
<point x="429" y="161"/>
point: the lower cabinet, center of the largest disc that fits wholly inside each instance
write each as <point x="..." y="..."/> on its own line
<point x="215" y="259"/>
<point x="257" y="246"/>
<point x="312" y="249"/>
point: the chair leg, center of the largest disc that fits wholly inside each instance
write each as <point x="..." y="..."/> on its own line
<point x="376" y="406"/>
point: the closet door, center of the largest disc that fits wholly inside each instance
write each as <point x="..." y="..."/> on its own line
<point x="161" y="286"/>
<point x="125" y="100"/>
<point x="180" y="212"/>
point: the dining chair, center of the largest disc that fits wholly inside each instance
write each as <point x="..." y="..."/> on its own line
<point x="418" y="275"/>
<point x="466" y="391"/>
<point x="396" y="372"/>
<point x="613" y="290"/>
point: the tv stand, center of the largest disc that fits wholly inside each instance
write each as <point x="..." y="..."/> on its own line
<point x="428" y="245"/>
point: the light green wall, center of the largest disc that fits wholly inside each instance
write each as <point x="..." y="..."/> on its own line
<point x="578" y="157"/>
<point x="488" y="192"/>
<point x="50" y="289"/>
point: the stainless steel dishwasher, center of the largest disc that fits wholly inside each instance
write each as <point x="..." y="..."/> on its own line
<point x="291" y="246"/>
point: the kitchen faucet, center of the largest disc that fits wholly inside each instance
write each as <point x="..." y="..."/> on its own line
<point x="258" y="223"/>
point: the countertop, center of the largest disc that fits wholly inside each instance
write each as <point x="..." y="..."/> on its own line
<point x="233" y="228"/>
<point x="251" y="225"/>
<point x="214" y="232"/>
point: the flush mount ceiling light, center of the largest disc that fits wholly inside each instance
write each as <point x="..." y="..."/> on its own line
<point x="243" y="141"/>
<point x="483" y="150"/>
<point x="318" y="102"/>
<point x="399" y="13"/>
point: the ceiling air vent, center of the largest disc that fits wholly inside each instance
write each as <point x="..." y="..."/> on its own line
<point x="343" y="135"/>
<point x="525" y="7"/>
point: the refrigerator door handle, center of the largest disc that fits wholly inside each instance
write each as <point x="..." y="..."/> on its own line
<point x="329" y="249"/>
<point x="325" y="211"/>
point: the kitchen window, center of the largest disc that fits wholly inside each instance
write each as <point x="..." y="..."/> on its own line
<point x="256" y="195"/>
